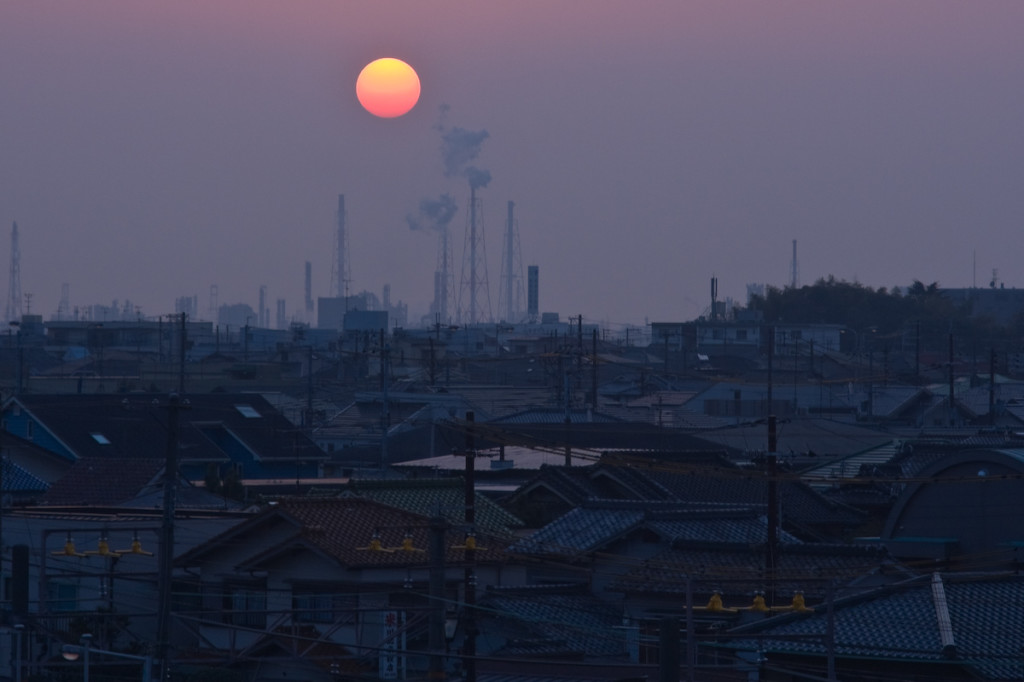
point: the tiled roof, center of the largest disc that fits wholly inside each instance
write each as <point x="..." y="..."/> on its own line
<point x="692" y="483"/>
<point x="901" y="624"/>
<point x="428" y="496"/>
<point x="850" y="467"/>
<point x="16" y="479"/>
<point x="581" y="530"/>
<point x="343" y="529"/>
<point x="717" y="527"/>
<point x="553" y="620"/>
<point x="799" y="436"/>
<point x="135" y="426"/>
<point x="103" y="481"/>
<point x="600" y="522"/>
<point x="739" y="570"/>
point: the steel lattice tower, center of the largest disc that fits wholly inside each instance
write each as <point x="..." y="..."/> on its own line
<point x="474" y="267"/>
<point x="14" y="283"/>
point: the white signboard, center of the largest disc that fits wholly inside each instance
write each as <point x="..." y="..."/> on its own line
<point x="392" y="641"/>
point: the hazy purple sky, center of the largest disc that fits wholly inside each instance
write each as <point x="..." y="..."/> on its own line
<point x="149" y="150"/>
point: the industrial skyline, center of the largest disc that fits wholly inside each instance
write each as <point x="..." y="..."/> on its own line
<point x="155" y="152"/>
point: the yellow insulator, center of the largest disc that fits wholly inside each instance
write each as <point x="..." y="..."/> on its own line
<point x="69" y="549"/>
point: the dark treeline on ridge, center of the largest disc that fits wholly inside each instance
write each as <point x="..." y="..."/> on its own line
<point x="885" y="311"/>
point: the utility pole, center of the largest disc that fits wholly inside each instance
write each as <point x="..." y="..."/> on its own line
<point x="469" y="585"/>
<point x="309" y="387"/>
<point x="992" y="387"/>
<point x="593" y="370"/>
<point x="952" y="409"/>
<point x="167" y="536"/>
<point x="435" y="632"/>
<point x="385" y="416"/>
<point x="568" y="422"/>
<point x="181" y="356"/>
<point x="773" y="510"/>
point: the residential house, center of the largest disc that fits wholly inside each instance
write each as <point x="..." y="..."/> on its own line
<point x="349" y="572"/>
<point x="220" y="435"/>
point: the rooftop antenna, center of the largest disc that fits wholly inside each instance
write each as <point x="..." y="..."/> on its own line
<point x="14" y="283"/>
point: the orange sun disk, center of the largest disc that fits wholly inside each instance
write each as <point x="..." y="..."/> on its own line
<point x="388" y="87"/>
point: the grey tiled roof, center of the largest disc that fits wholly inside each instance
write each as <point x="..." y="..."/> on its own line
<point x="599" y="522"/>
<point x="738" y="570"/>
<point x="985" y="613"/>
<point x="743" y="528"/>
<point x="581" y="530"/>
<point x="554" y="620"/>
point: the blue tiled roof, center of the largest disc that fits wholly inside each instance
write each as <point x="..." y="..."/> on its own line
<point x="985" y="612"/>
<point x="745" y="529"/>
<point x="581" y="530"/>
<point x="16" y="479"/>
<point x="554" y="620"/>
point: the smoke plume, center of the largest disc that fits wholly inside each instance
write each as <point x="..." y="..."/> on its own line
<point x="478" y="178"/>
<point x="434" y="214"/>
<point x="458" y="148"/>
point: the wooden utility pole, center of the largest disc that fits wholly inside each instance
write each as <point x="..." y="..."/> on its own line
<point x="166" y="574"/>
<point x="773" y="510"/>
<point x="469" y="576"/>
<point x="435" y="631"/>
<point x="181" y="355"/>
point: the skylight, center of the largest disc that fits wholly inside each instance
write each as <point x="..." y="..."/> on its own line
<point x="248" y="411"/>
<point x="100" y="438"/>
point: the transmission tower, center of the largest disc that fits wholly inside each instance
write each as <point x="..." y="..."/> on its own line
<point x="14" y="284"/>
<point x="474" y="268"/>
<point x="511" y="290"/>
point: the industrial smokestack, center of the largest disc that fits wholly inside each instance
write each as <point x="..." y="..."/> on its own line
<point x="340" y="275"/>
<point x="309" y="292"/>
<point x="533" y="293"/>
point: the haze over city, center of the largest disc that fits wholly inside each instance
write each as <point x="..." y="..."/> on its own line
<point x="149" y="151"/>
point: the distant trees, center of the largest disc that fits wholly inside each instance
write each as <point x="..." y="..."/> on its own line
<point x="886" y="312"/>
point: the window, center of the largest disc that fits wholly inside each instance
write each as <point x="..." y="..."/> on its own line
<point x="248" y="411"/>
<point x="245" y="604"/>
<point x="100" y="438"/>
<point x="62" y="597"/>
<point x="741" y="334"/>
<point x="311" y="606"/>
<point x="29" y="431"/>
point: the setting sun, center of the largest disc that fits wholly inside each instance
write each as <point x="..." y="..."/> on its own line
<point x="388" y="87"/>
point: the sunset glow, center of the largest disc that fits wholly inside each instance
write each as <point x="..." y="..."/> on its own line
<point x="388" y="87"/>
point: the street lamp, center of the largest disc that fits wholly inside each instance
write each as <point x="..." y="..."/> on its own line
<point x="18" y="630"/>
<point x="70" y="652"/>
